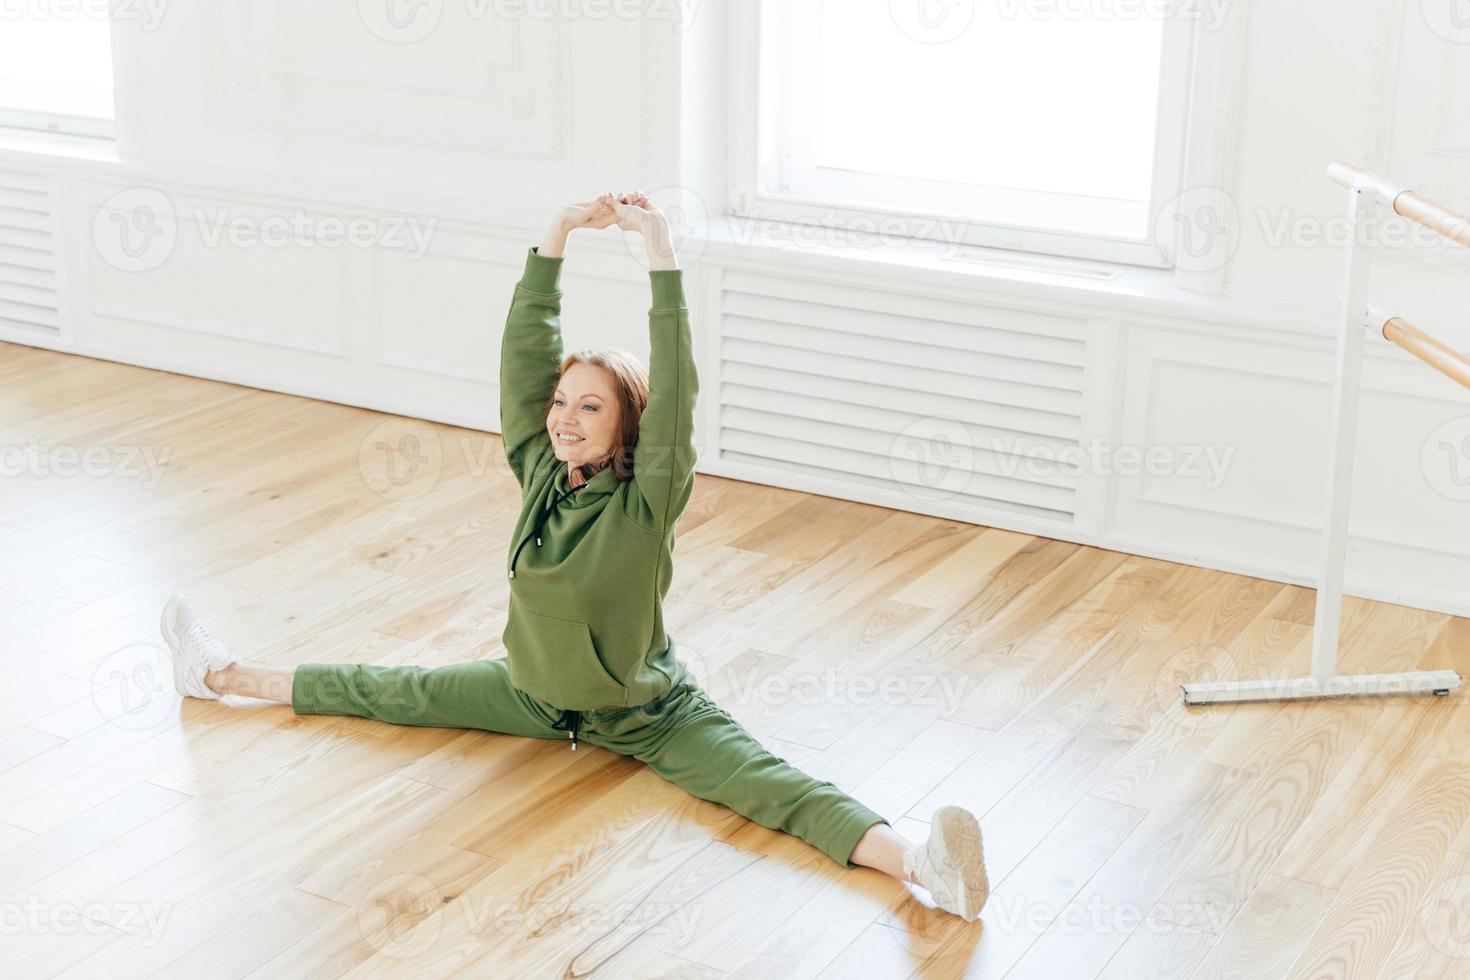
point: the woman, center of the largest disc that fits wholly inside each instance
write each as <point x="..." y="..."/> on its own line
<point x="604" y="456"/>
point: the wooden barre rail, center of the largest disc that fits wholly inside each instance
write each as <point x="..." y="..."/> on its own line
<point x="1456" y="227"/>
<point x="1428" y="348"/>
<point x="1450" y="224"/>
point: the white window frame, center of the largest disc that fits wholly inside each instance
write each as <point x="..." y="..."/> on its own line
<point x="67" y="123"/>
<point x="755" y="190"/>
<point x="52" y="122"/>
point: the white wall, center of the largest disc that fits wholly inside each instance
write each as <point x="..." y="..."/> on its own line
<point x="477" y="130"/>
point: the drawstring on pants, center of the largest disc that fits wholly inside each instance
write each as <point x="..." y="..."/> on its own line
<point x="569" y="720"/>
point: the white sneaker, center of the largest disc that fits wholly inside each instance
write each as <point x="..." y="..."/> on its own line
<point x="951" y="863"/>
<point x="195" y="651"/>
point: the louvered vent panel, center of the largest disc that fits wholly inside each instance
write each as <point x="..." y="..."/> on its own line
<point x="933" y="399"/>
<point x="28" y="301"/>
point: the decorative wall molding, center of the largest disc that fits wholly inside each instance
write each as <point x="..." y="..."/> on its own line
<point x="508" y="102"/>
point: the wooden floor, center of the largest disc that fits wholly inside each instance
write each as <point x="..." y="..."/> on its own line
<point x="911" y="660"/>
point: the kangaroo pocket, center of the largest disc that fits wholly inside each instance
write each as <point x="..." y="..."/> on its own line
<point x="555" y="660"/>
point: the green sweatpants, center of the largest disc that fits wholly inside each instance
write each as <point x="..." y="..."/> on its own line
<point x="684" y="737"/>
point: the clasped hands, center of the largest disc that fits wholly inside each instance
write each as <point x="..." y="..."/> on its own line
<point x="631" y="211"/>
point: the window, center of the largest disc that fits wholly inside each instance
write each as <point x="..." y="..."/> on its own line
<point x="56" y="68"/>
<point x="1039" y="125"/>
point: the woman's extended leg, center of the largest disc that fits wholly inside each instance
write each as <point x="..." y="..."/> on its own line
<point x="691" y="741"/>
<point x="695" y="744"/>
<point x="469" y="695"/>
<point x="882" y="848"/>
<point x="477" y="694"/>
<point x="252" y="680"/>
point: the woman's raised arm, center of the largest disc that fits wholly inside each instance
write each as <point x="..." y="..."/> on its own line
<point x="663" y="460"/>
<point x="531" y="348"/>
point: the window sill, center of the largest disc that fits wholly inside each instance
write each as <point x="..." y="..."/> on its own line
<point x="1096" y="287"/>
<point x="19" y="144"/>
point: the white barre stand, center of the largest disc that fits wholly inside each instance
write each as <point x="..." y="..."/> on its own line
<point x="1367" y="194"/>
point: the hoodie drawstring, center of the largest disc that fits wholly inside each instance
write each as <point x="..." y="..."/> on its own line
<point x="540" y="523"/>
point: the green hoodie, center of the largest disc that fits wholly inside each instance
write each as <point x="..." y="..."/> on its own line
<point x="589" y="567"/>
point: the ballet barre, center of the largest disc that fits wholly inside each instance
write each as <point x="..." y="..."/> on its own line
<point x="1429" y="349"/>
<point x="1367" y="195"/>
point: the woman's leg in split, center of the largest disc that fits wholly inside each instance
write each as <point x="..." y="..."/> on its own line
<point x="252" y="680"/>
<point x="476" y="694"/>
<point x="695" y="744"/>
<point x="882" y="848"/>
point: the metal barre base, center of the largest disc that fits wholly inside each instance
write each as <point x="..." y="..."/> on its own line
<point x="1297" y="688"/>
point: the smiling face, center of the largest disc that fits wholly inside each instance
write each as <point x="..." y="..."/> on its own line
<point x="583" y="421"/>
